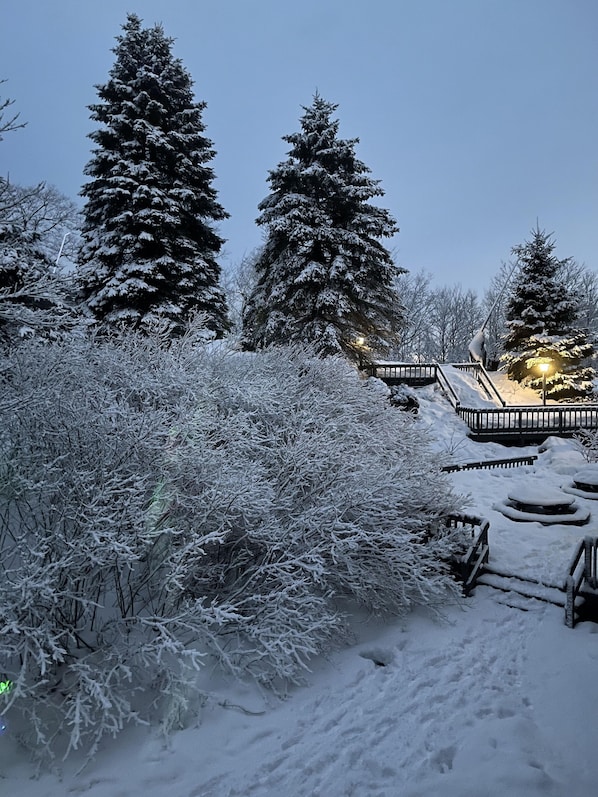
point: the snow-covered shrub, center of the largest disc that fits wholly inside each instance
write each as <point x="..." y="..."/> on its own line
<point x="162" y="504"/>
<point x="587" y="442"/>
<point x="84" y="428"/>
<point x="315" y="492"/>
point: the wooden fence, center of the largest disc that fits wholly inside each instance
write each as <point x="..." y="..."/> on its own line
<point x="512" y="462"/>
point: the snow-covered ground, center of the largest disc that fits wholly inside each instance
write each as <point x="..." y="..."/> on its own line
<point x="486" y="701"/>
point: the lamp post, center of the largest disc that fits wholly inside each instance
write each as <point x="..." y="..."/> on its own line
<point x="544" y="368"/>
<point x="360" y="342"/>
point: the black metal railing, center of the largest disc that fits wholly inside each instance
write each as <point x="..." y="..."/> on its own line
<point x="549" y="420"/>
<point x="410" y="373"/>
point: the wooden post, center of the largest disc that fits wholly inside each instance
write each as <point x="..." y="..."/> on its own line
<point x="569" y="603"/>
<point x="589" y="564"/>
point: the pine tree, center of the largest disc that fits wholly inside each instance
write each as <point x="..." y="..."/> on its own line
<point x="322" y="275"/>
<point x="542" y="313"/>
<point x="150" y="245"/>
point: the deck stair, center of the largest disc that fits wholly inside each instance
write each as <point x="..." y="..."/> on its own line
<point x="510" y="424"/>
<point x="520" y="585"/>
<point x="483" y="379"/>
<point x="581" y="584"/>
<point x="523" y="592"/>
<point x="577" y="594"/>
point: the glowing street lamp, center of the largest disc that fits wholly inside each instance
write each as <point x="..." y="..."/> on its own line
<point x="360" y="343"/>
<point x="544" y="367"/>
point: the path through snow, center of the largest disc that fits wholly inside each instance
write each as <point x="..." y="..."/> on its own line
<point x="485" y="704"/>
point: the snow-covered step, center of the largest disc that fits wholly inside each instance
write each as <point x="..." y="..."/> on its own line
<point x="515" y="601"/>
<point x="497" y="571"/>
<point x="528" y="589"/>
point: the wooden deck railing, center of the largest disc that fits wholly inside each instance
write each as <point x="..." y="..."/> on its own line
<point x="413" y="373"/>
<point x="470" y="565"/>
<point x="512" y="462"/>
<point x="508" y="421"/>
<point x="583" y="572"/>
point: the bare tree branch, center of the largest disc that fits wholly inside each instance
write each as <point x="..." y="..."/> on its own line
<point x="11" y="123"/>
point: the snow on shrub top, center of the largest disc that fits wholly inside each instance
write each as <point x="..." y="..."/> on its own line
<point x="163" y="504"/>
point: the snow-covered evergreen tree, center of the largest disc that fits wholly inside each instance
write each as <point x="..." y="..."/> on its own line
<point x="323" y="275"/>
<point x="542" y="315"/>
<point x="150" y="243"/>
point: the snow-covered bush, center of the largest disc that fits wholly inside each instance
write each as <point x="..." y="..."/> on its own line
<point x="314" y="491"/>
<point x="587" y="442"/>
<point x="84" y="430"/>
<point x="162" y="504"/>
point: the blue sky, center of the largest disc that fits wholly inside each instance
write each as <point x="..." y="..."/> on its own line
<point x="478" y="116"/>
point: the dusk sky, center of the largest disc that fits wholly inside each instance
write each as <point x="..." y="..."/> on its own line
<point x="478" y="116"/>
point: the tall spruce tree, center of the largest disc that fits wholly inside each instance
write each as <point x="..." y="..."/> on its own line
<point x="542" y="314"/>
<point x="323" y="276"/>
<point x="150" y="245"/>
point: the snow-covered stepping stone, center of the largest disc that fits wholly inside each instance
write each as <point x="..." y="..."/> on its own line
<point x="585" y="483"/>
<point x="542" y="506"/>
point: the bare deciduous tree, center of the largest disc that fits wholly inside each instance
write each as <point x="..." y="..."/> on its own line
<point x="10" y="123"/>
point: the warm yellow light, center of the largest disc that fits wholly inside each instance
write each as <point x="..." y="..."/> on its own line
<point x="544" y="367"/>
<point x="360" y="341"/>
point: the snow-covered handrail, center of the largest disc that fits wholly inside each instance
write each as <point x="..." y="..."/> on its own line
<point x="483" y="378"/>
<point x="470" y="565"/>
<point x="487" y="464"/>
<point x="445" y="384"/>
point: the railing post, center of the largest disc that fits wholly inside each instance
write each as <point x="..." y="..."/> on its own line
<point x="520" y="421"/>
<point x="589" y="561"/>
<point x="569" y="603"/>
